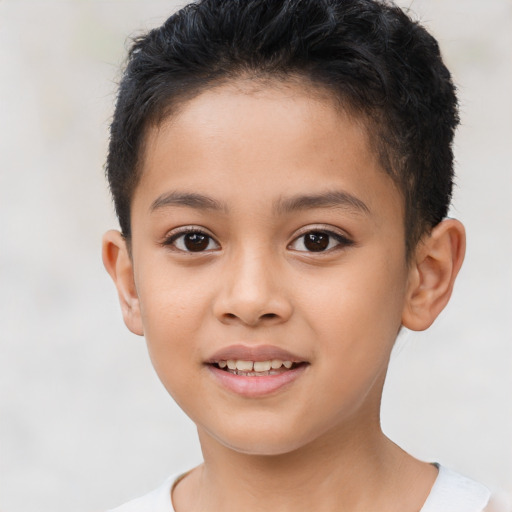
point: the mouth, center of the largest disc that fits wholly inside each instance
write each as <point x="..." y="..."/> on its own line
<point x="256" y="371"/>
<point x="266" y="368"/>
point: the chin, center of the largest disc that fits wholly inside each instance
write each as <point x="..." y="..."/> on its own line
<point x="261" y="441"/>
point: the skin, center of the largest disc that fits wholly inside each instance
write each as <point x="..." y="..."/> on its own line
<point x="315" y="443"/>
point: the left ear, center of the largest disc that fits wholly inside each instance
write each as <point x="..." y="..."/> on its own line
<point x="436" y="263"/>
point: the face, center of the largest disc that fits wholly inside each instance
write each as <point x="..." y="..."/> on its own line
<point x="269" y="267"/>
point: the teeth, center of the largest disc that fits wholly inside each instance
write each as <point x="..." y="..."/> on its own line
<point x="245" y="366"/>
<point x="262" y="366"/>
<point x="257" y="366"/>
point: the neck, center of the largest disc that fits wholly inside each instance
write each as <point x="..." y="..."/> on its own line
<point x="367" y="473"/>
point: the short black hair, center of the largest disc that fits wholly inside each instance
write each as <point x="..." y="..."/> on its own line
<point x="369" y="54"/>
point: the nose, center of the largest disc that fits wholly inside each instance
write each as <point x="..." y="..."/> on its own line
<point x="252" y="292"/>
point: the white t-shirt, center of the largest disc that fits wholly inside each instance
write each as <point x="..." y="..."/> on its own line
<point x="451" y="492"/>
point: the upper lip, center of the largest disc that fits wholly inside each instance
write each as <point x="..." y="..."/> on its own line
<point x="253" y="353"/>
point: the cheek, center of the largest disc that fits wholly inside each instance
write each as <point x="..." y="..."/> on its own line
<point x="366" y="293"/>
<point x="357" y="310"/>
<point x="170" y="296"/>
<point x="172" y="310"/>
<point x="355" y="318"/>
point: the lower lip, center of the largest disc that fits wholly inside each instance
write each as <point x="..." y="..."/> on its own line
<point x="253" y="387"/>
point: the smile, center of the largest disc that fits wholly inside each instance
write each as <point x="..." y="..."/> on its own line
<point x="255" y="368"/>
<point x="255" y="371"/>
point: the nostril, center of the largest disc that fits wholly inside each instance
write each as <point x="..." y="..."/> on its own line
<point x="265" y="317"/>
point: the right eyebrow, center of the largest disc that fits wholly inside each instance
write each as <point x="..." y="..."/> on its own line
<point x="187" y="199"/>
<point x="329" y="199"/>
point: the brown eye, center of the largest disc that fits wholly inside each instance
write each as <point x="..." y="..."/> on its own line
<point x="316" y="241"/>
<point x="196" y="242"/>
<point x="192" y="241"/>
<point x="320" y="241"/>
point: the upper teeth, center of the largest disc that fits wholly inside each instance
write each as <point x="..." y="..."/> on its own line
<point x="257" y="366"/>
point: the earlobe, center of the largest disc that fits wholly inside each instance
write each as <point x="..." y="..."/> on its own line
<point x="437" y="261"/>
<point x="118" y="264"/>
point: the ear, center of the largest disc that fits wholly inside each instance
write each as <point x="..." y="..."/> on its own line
<point x="119" y="265"/>
<point x="432" y="274"/>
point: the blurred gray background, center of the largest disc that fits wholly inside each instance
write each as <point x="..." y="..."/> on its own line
<point x="84" y="422"/>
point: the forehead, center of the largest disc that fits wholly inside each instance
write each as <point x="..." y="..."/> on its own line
<point x="262" y="137"/>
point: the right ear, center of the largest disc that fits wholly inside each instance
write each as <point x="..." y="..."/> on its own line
<point x="119" y="265"/>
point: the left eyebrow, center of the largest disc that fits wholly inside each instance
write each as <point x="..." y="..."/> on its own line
<point x="190" y="200"/>
<point x="330" y="199"/>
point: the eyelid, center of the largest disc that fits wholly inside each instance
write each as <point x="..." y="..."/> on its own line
<point x="173" y="235"/>
<point x="343" y="238"/>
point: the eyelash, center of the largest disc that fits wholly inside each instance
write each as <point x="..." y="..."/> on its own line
<point x="341" y="241"/>
<point x="172" y="240"/>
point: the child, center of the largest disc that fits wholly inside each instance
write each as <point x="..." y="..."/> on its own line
<point x="282" y="172"/>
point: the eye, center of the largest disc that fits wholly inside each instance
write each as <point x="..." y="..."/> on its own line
<point x="192" y="240"/>
<point x="319" y="241"/>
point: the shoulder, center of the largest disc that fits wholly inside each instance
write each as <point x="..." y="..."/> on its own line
<point x="452" y="492"/>
<point x="158" y="500"/>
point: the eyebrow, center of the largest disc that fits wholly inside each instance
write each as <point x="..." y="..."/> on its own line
<point x="191" y="200"/>
<point x="330" y="199"/>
